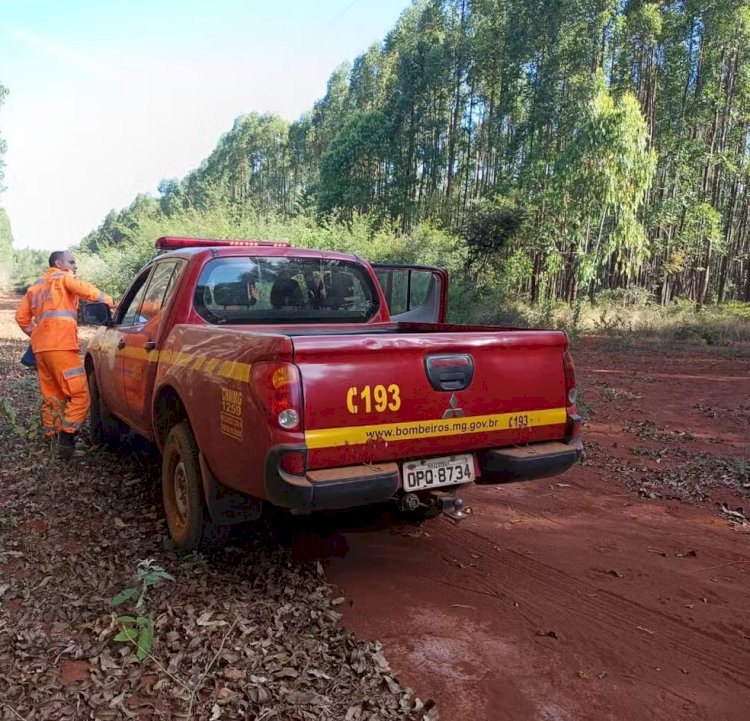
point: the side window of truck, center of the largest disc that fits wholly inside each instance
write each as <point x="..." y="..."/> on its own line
<point x="128" y="311"/>
<point x="146" y="297"/>
<point x="159" y="289"/>
<point x="404" y="288"/>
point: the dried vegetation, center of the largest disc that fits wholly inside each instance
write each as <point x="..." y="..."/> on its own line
<point x="251" y="633"/>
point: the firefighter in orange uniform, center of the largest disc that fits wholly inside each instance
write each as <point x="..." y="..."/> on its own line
<point x="48" y="314"/>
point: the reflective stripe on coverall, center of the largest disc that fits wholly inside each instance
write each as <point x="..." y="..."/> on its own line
<point x="48" y="313"/>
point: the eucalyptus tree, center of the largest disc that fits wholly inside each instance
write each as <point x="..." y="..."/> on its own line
<point x="251" y="164"/>
<point x="596" y="194"/>
<point x="354" y="169"/>
<point x="608" y="140"/>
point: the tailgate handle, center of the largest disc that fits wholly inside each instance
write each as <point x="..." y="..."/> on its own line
<point x="449" y="372"/>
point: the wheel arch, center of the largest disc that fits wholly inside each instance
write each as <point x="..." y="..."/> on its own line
<point x="168" y="410"/>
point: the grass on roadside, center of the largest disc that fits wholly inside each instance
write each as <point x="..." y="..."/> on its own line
<point x="633" y="315"/>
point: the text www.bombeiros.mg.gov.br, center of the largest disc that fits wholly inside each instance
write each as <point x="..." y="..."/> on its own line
<point x="428" y="429"/>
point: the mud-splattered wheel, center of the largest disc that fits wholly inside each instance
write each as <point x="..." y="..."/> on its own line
<point x="182" y="493"/>
<point x="105" y="429"/>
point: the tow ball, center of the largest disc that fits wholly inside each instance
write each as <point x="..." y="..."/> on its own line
<point x="446" y="502"/>
<point x="452" y="506"/>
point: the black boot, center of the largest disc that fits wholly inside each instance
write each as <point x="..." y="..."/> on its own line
<point x="66" y="445"/>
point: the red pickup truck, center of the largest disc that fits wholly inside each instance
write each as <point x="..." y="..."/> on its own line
<point x="314" y="381"/>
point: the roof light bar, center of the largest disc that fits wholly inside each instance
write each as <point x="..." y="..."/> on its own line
<point x="175" y="243"/>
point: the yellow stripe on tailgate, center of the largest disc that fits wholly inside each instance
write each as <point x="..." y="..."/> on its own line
<point x="434" y="428"/>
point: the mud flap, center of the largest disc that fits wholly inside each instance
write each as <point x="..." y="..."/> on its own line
<point x="227" y="507"/>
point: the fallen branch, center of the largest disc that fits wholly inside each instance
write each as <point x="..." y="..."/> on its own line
<point x="208" y="668"/>
<point x="13" y="711"/>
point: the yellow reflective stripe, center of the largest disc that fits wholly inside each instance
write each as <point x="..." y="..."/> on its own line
<point x="181" y="359"/>
<point x="433" y="428"/>
<point x="234" y="370"/>
<point x="149" y="356"/>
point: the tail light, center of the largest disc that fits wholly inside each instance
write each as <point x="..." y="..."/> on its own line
<point x="574" y="423"/>
<point x="278" y="388"/>
<point x="570" y="379"/>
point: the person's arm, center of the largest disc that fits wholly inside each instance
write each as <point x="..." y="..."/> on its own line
<point x="86" y="291"/>
<point x="24" y="316"/>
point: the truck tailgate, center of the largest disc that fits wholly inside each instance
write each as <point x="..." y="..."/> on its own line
<point x="393" y="396"/>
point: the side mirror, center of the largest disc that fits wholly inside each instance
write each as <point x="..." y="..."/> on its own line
<point x="96" y="314"/>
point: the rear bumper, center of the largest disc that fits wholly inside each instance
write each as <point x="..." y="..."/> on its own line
<point x="331" y="489"/>
<point x="363" y="485"/>
<point x="524" y="463"/>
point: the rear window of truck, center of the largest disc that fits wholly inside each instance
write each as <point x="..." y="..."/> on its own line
<point x="241" y="290"/>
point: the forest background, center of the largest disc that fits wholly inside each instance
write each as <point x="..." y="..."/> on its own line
<point x="569" y="161"/>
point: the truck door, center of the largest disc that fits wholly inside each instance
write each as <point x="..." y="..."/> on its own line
<point x="141" y="351"/>
<point x="111" y="381"/>
<point x="414" y="293"/>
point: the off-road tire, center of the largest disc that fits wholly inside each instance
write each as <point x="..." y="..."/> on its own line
<point x="182" y="492"/>
<point x="105" y="429"/>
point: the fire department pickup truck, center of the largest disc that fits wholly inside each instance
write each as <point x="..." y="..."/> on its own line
<point x="314" y="381"/>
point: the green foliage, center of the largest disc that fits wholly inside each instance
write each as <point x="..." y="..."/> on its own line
<point x="624" y="297"/>
<point x="6" y="250"/>
<point x="148" y="574"/>
<point x="139" y="629"/>
<point x="598" y="190"/>
<point x="10" y="415"/>
<point x="28" y="265"/>
<point x="572" y="147"/>
<point x="353" y="168"/>
<point x="490" y="225"/>
<point x="702" y="225"/>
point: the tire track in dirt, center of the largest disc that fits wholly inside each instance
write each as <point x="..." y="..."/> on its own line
<point x="467" y="621"/>
<point x="542" y="590"/>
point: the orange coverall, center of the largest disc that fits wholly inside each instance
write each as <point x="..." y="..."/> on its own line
<point x="48" y="314"/>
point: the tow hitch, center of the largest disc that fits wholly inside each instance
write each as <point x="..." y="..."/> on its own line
<point x="435" y="502"/>
<point x="451" y="505"/>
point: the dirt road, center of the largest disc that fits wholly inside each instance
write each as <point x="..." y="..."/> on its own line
<point x="575" y="598"/>
<point x="595" y="595"/>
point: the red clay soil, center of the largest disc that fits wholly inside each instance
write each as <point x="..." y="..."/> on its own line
<point x="575" y="598"/>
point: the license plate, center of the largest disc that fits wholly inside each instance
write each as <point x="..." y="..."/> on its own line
<point x="435" y="472"/>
